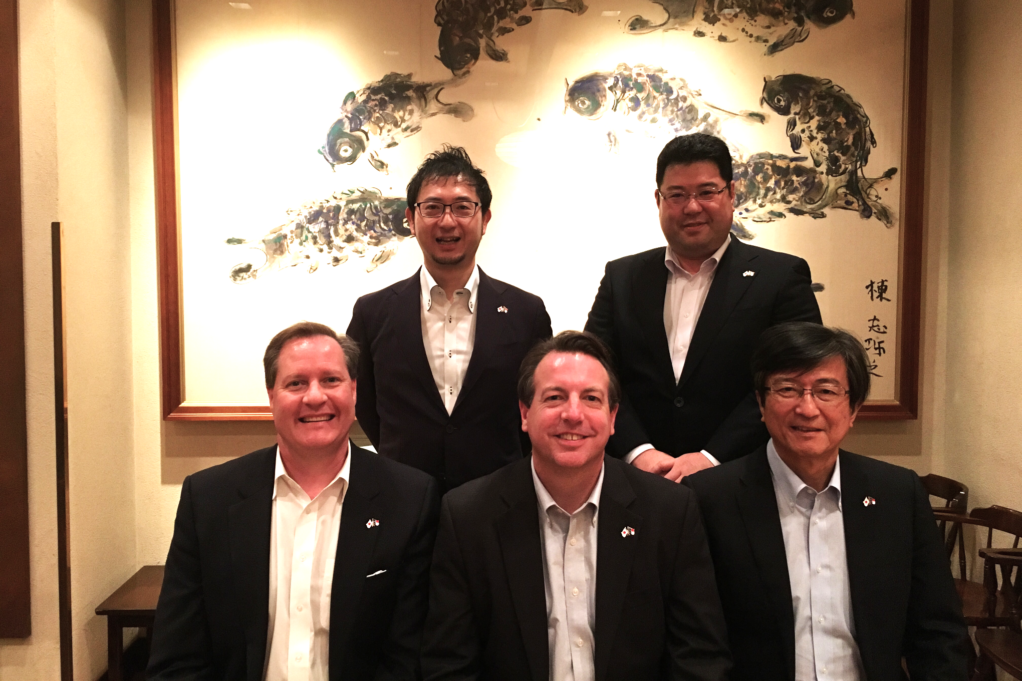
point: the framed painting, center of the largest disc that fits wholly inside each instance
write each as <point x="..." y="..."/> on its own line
<point x="286" y="131"/>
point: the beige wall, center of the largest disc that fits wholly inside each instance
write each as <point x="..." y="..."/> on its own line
<point x="87" y="145"/>
<point x="75" y="157"/>
<point x="984" y="366"/>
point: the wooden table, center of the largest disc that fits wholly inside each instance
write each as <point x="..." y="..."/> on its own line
<point x="132" y="605"/>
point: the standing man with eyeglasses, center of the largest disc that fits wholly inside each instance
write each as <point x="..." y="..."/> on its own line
<point x="682" y="320"/>
<point x="441" y="349"/>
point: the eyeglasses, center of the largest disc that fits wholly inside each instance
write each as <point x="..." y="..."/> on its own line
<point x="459" y="209"/>
<point x="679" y="199"/>
<point x="824" y="394"/>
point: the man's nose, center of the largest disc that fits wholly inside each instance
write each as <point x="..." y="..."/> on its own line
<point x="315" y="394"/>
<point x="807" y="404"/>
<point x="572" y="409"/>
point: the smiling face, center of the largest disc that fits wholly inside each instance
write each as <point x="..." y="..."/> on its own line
<point x="313" y="398"/>
<point x="807" y="433"/>
<point x="570" y="418"/>
<point x="695" y="230"/>
<point x="448" y="241"/>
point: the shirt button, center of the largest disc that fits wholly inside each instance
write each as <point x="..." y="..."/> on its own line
<point x="579" y="643"/>
<point x="572" y="541"/>
<point x="679" y="402"/>
<point x="574" y="592"/>
<point x="823" y="671"/>
<point x="305" y="558"/>
<point x="687" y="315"/>
<point x="299" y="608"/>
<point x="819" y="570"/>
<point x="821" y="619"/>
<point x="298" y="657"/>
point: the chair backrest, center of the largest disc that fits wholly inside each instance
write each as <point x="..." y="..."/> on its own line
<point x="999" y="518"/>
<point x="954" y="493"/>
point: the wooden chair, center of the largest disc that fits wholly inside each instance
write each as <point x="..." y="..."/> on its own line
<point x="1001" y="647"/>
<point x="956" y="500"/>
<point x="980" y="609"/>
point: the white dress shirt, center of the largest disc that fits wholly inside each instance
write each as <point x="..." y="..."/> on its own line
<point x="303" y="547"/>
<point x="448" y="332"/>
<point x="569" y="576"/>
<point x="683" y="303"/>
<point x="821" y="598"/>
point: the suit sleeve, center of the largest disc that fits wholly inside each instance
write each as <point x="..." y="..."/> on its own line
<point x="742" y="431"/>
<point x="628" y="430"/>
<point x="935" y="633"/>
<point x="541" y="331"/>
<point x="365" y="403"/>
<point x="181" y="647"/>
<point x="697" y="644"/>
<point x="400" y="658"/>
<point x="452" y="649"/>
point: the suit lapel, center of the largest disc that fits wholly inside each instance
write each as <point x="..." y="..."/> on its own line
<point x="248" y="527"/>
<point x="614" y="557"/>
<point x="490" y="330"/>
<point x="649" y="290"/>
<point x="758" y="506"/>
<point x="355" y="545"/>
<point x="518" y="534"/>
<point x="862" y="525"/>
<point x="728" y="287"/>
<point x="408" y="326"/>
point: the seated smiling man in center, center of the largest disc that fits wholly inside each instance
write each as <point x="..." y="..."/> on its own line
<point x="572" y="565"/>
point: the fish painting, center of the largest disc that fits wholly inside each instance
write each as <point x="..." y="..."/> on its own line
<point x="646" y="99"/>
<point x="769" y="187"/>
<point x="469" y="26"/>
<point x="833" y="128"/>
<point x="382" y="114"/>
<point x="778" y="24"/>
<point x="355" y="222"/>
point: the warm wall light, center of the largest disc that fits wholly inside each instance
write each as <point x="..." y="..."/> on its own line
<point x="607" y="13"/>
<point x="391" y="53"/>
<point x="240" y="5"/>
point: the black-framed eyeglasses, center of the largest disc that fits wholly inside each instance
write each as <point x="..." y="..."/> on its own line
<point x="680" y="198"/>
<point x="436" y="209"/>
<point x="821" y="393"/>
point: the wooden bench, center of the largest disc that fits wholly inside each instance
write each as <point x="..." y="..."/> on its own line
<point x="132" y="605"/>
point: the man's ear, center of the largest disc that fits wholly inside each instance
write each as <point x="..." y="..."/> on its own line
<point x="410" y="218"/>
<point x="524" y="409"/>
<point x="613" y="418"/>
<point x="759" y="401"/>
<point x="486" y="220"/>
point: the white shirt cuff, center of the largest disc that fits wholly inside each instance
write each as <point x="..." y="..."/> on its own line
<point x="710" y="457"/>
<point x="634" y="454"/>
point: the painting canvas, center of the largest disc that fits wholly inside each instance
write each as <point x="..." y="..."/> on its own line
<point x="299" y="123"/>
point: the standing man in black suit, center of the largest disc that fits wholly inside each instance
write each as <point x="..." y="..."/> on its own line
<point x="572" y="566"/>
<point x="682" y="321"/>
<point x="441" y="349"/>
<point x="829" y="564"/>
<point x="307" y="561"/>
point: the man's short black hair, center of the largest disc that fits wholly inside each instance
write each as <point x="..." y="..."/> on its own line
<point x="570" y="342"/>
<point x="450" y="162"/>
<point x="271" y="357"/>
<point x="693" y="148"/>
<point x="801" y="347"/>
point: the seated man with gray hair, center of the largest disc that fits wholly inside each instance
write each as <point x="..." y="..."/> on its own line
<point x="829" y="564"/>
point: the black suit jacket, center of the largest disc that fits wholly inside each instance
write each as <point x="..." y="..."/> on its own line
<point x="657" y="612"/>
<point x="903" y="599"/>
<point x="399" y="407"/>
<point x="212" y="617"/>
<point x="713" y="406"/>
